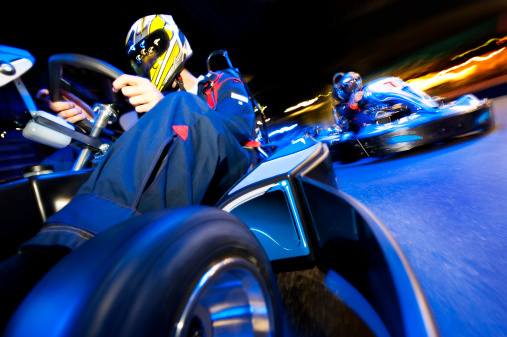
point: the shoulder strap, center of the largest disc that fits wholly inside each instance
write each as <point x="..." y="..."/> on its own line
<point x="210" y="87"/>
<point x="213" y="82"/>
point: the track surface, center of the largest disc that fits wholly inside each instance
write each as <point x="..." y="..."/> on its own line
<point x="446" y="206"/>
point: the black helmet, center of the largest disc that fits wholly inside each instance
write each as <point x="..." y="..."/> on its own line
<point x="157" y="49"/>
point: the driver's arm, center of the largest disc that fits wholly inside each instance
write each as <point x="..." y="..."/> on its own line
<point x="71" y="108"/>
<point x="139" y="91"/>
<point x="354" y="100"/>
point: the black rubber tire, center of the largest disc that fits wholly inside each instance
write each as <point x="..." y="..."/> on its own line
<point x="142" y="277"/>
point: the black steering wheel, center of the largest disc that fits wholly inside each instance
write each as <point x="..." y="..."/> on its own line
<point x="65" y="71"/>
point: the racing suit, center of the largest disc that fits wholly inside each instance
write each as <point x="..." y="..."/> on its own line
<point x="187" y="150"/>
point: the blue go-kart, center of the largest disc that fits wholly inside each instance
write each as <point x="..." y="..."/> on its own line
<point x="227" y="270"/>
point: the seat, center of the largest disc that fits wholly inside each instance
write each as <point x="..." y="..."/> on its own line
<point x="28" y="202"/>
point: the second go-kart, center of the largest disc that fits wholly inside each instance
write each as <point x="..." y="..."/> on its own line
<point x="211" y="271"/>
<point x="397" y="116"/>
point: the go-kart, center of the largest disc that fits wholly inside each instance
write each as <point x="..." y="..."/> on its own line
<point x="213" y="271"/>
<point x="396" y="116"/>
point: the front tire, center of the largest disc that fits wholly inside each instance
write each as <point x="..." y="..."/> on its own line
<point x="194" y="271"/>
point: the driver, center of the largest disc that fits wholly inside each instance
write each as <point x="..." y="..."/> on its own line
<point x="186" y="149"/>
<point x="347" y="104"/>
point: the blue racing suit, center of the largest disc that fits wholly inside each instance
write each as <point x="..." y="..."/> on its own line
<point x="187" y="150"/>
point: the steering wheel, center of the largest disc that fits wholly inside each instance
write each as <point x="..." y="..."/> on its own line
<point x="59" y="71"/>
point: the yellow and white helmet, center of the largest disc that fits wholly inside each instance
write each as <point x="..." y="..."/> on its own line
<point x="157" y="49"/>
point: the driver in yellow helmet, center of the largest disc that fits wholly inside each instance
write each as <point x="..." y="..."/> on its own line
<point x="158" y="52"/>
<point x="186" y="149"/>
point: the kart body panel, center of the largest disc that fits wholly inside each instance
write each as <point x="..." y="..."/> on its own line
<point x="395" y="90"/>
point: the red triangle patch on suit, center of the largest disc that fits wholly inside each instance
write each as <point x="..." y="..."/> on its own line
<point x="181" y="130"/>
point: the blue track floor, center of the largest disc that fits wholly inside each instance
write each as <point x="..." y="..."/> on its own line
<point x="446" y="206"/>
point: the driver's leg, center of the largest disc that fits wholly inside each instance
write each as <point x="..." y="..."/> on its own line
<point x="202" y="156"/>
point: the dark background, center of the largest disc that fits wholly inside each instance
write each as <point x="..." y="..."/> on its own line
<point x="287" y="50"/>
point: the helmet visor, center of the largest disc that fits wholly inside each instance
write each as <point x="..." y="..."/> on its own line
<point x="146" y="52"/>
<point x="349" y="85"/>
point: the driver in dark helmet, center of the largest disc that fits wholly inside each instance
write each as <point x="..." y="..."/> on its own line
<point x="186" y="149"/>
<point x="347" y="96"/>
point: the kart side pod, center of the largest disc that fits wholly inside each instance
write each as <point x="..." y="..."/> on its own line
<point x="293" y="204"/>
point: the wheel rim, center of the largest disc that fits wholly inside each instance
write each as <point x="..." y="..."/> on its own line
<point x="230" y="299"/>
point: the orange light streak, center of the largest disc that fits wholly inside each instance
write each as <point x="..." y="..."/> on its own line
<point x="429" y="81"/>
<point x="306" y="103"/>
<point x="302" y="104"/>
<point x="424" y="84"/>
